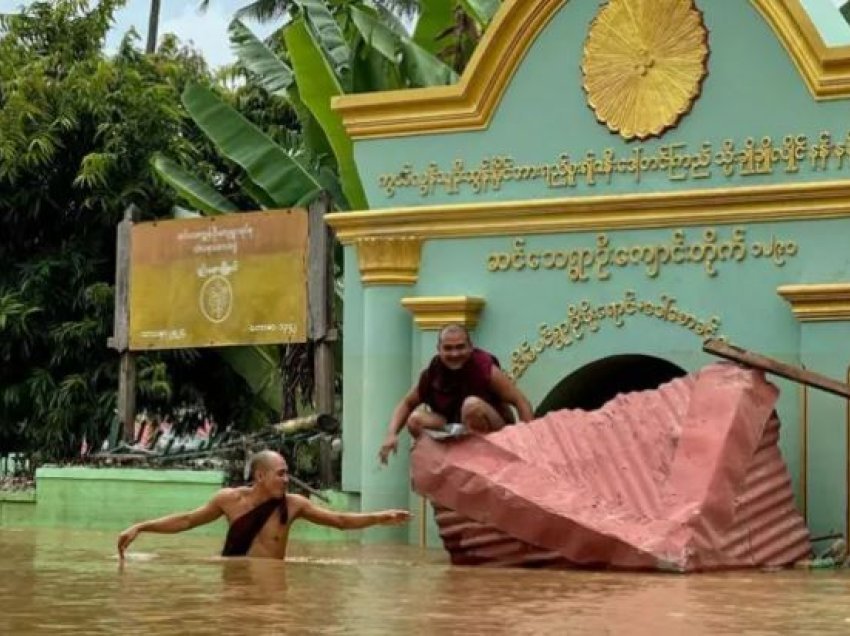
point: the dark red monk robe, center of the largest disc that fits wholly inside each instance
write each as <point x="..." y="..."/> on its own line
<point x="244" y="530"/>
<point x="444" y="389"/>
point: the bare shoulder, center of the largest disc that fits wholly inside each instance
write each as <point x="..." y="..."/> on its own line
<point x="498" y="377"/>
<point x="229" y="495"/>
<point x="295" y="504"/>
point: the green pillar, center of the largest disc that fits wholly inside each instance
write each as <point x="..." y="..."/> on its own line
<point x="389" y="268"/>
<point x="386" y="379"/>
<point x="430" y="314"/>
<point x="824" y="312"/>
<point x="824" y="350"/>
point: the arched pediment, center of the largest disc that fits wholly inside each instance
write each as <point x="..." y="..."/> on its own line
<point x="471" y="103"/>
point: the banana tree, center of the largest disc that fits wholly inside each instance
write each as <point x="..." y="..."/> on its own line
<point x="324" y="50"/>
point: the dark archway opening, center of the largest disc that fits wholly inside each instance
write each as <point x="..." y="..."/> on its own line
<point x="596" y="383"/>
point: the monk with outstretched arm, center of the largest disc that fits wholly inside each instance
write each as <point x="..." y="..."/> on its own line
<point x="260" y="515"/>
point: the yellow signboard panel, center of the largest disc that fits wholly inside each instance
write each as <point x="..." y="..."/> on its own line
<point x="233" y="279"/>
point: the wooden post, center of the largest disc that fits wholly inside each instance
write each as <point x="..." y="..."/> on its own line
<point x="153" y="26"/>
<point x="320" y="299"/>
<point x="120" y="340"/>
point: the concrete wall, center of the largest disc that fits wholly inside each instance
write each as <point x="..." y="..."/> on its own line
<point x="17" y="509"/>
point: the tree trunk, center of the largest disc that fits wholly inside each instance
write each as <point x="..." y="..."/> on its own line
<point x="153" y="26"/>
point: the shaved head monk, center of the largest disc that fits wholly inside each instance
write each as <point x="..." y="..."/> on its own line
<point x="461" y="385"/>
<point x="260" y="515"/>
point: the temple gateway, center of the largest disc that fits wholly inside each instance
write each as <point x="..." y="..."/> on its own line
<point x="608" y="185"/>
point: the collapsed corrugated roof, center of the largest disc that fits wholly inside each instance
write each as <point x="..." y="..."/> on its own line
<point x="685" y="477"/>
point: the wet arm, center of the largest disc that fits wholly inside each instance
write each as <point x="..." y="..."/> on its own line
<point x="509" y="393"/>
<point x="179" y="522"/>
<point x="347" y="520"/>
<point x="403" y="411"/>
<point x="183" y="521"/>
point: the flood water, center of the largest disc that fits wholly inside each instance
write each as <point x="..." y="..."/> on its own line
<point x="69" y="582"/>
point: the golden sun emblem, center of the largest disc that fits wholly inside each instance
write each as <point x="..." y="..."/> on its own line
<point x="644" y="63"/>
<point x="216" y="299"/>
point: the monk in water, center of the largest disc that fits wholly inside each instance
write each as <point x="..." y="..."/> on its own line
<point x="260" y="515"/>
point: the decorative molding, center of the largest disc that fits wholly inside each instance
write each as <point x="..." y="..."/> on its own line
<point x="637" y="51"/>
<point x="470" y="104"/>
<point x="756" y="204"/>
<point x="825" y="70"/>
<point x="432" y="312"/>
<point x="467" y="105"/>
<point x="389" y="260"/>
<point x="818" y="303"/>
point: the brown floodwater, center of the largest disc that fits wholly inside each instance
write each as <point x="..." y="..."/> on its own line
<point x="69" y="582"/>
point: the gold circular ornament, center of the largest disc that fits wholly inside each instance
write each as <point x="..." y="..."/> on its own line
<point x="643" y="65"/>
<point x="216" y="299"/>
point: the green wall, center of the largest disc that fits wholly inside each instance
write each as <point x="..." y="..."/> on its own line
<point x="114" y="498"/>
<point x="17" y="508"/>
<point x="752" y="90"/>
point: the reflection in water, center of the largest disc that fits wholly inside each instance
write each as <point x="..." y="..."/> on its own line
<point x="71" y="583"/>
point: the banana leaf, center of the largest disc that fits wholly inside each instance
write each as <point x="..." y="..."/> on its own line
<point x="315" y="138"/>
<point x="269" y="166"/>
<point x="317" y="87"/>
<point x="194" y="191"/>
<point x="271" y="72"/>
<point x="257" y="195"/>
<point x="421" y="67"/>
<point x="372" y="71"/>
<point x="436" y="17"/>
<point x="482" y="11"/>
<point x="277" y="78"/>
<point x="330" y="37"/>
<point x="260" y="367"/>
<point x="376" y="35"/>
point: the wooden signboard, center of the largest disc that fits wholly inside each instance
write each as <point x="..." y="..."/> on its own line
<point x="234" y="279"/>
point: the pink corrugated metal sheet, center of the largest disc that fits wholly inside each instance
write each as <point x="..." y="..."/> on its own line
<point x="685" y="477"/>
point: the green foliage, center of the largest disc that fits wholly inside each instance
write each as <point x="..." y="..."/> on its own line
<point x="77" y="134"/>
<point x="326" y="48"/>
<point x="308" y="60"/>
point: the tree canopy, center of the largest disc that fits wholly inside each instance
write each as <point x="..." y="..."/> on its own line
<point x="78" y="131"/>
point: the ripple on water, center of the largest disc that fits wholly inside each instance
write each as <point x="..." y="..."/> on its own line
<point x="70" y="582"/>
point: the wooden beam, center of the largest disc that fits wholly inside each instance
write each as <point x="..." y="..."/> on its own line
<point x="320" y="277"/>
<point x="120" y="340"/>
<point x="320" y="291"/>
<point x="758" y="361"/>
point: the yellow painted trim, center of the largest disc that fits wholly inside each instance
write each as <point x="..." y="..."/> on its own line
<point x="825" y="70"/>
<point x="470" y="104"/>
<point x="467" y="105"/>
<point x="389" y="261"/>
<point x="758" y="204"/>
<point x="433" y="312"/>
<point x="818" y="303"/>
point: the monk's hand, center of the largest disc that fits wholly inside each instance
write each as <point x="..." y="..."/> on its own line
<point x="390" y="445"/>
<point x="126" y="538"/>
<point x="395" y="517"/>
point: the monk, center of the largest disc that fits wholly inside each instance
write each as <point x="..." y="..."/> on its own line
<point x="260" y="515"/>
<point x="461" y="385"/>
